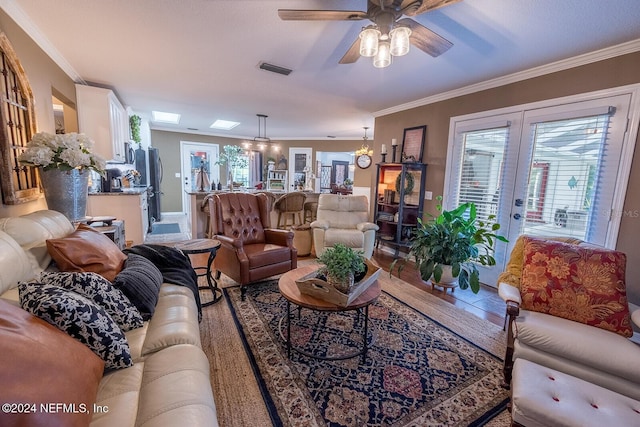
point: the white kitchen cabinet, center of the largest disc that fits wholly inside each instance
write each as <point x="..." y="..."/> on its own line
<point x="128" y="206"/>
<point x="102" y="118"/>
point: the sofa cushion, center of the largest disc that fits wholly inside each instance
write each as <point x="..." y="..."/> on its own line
<point x="140" y="281"/>
<point x="41" y="364"/>
<point x="99" y="290"/>
<point x="593" y="354"/>
<point x="342" y="211"/>
<point x="80" y="318"/>
<point x="180" y="375"/>
<point x="14" y="264"/>
<point x="87" y="249"/>
<point x="583" y="284"/>
<point x="31" y="231"/>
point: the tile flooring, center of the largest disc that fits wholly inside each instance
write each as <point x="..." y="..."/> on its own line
<point x="168" y="218"/>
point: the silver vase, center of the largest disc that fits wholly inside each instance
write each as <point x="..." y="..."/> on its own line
<point x="66" y="191"/>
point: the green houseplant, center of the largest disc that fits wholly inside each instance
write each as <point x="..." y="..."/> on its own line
<point x="341" y="263"/>
<point x="134" y="124"/>
<point x="457" y="240"/>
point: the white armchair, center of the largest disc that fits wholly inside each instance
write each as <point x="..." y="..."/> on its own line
<point x="584" y="351"/>
<point x="343" y="219"/>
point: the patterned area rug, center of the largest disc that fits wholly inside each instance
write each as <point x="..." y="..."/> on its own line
<point x="417" y="372"/>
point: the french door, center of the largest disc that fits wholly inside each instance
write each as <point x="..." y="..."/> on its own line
<point x="546" y="171"/>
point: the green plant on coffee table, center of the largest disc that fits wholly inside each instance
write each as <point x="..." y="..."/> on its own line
<point x="456" y="238"/>
<point x="340" y="262"/>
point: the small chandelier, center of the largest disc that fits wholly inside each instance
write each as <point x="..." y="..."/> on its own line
<point x="365" y="147"/>
<point x="262" y="138"/>
<point x="383" y="47"/>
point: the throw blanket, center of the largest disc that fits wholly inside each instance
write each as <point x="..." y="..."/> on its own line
<point x="174" y="265"/>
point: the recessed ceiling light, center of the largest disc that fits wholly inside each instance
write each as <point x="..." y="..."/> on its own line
<point x="159" y="116"/>
<point x="224" y="124"/>
<point x="58" y="107"/>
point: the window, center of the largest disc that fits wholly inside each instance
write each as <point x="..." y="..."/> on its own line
<point x="19" y="183"/>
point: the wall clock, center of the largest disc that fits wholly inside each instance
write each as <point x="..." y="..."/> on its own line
<point x="363" y="161"/>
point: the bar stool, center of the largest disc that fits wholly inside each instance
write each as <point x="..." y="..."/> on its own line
<point x="290" y="204"/>
<point x="310" y="211"/>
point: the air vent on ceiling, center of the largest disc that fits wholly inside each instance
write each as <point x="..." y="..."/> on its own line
<point x="275" y="69"/>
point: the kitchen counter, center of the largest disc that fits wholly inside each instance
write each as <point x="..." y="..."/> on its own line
<point x="132" y="210"/>
<point x="124" y="192"/>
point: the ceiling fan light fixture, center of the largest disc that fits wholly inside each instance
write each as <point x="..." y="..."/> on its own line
<point x="369" y="41"/>
<point x="383" y="57"/>
<point x="400" y="41"/>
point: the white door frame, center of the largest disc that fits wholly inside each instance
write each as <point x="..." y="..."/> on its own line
<point x="307" y="151"/>
<point x="214" y="173"/>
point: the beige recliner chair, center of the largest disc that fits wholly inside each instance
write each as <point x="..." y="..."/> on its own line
<point x="343" y="219"/>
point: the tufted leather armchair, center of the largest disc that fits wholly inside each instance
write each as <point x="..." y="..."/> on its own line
<point x="250" y="250"/>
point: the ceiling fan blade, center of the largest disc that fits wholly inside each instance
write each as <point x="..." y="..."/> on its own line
<point x="428" y="5"/>
<point x="353" y="54"/>
<point x="425" y="39"/>
<point x="321" y="15"/>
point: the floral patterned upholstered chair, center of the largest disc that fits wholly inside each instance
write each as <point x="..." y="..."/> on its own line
<point x="568" y="311"/>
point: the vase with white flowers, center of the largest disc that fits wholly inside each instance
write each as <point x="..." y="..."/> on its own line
<point x="64" y="161"/>
<point x="233" y="157"/>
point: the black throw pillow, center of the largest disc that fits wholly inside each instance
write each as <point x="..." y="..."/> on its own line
<point x="140" y="281"/>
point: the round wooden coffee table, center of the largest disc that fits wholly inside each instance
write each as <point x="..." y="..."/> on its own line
<point x="289" y="290"/>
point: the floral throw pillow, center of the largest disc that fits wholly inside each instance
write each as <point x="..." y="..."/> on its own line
<point x="99" y="290"/>
<point x="583" y="284"/>
<point x="80" y="318"/>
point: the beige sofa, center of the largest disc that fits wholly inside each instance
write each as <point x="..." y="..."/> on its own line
<point x="169" y="382"/>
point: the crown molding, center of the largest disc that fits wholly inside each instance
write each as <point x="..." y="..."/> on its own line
<point x="274" y="140"/>
<point x="565" y="64"/>
<point x="16" y="13"/>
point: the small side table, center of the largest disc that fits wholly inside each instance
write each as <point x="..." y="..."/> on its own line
<point x="202" y="246"/>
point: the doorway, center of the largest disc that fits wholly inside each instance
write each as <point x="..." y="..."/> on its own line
<point x="198" y="169"/>
<point x="299" y="166"/>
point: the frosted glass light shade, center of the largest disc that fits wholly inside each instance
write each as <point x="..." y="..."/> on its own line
<point x="400" y="41"/>
<point x="369" y="42"/>
<point x="383" y="58"/>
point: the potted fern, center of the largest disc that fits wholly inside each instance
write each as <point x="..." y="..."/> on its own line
<point x="447" y="248"/>
<point x="341" y="264"/>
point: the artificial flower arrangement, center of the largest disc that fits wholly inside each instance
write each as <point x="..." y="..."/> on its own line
<point x="62" y="151"/>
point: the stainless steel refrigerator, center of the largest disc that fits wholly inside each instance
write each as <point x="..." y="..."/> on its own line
<point x="155" y="180"/>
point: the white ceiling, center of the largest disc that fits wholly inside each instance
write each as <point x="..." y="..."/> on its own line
<point x="200" y="58"/>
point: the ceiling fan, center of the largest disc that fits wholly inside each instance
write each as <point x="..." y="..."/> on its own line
<point x="386" y="16"/>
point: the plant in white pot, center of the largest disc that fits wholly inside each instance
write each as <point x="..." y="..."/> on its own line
<point x="452" y="244"/>
<point x="341" y="264"/>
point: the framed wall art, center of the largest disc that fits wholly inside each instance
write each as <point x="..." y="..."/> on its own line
<point x="413" y="143"/>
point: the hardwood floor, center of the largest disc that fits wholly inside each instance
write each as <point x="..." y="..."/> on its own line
<point x="486" y="304"/>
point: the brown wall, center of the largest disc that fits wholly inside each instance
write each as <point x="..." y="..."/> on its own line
<point x="45" y="77"/>
<point x="169" y="145"/>
<point x="619" y="71"/>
